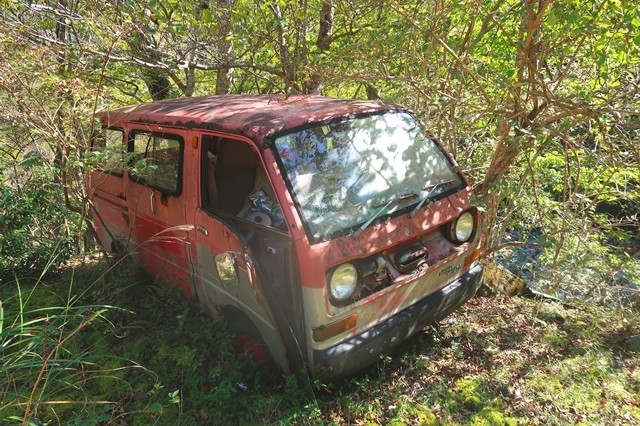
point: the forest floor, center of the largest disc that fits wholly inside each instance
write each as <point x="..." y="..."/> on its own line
<point x="118" y="350"/>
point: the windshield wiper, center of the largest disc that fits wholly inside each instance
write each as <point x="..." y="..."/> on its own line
<point x="382" y="210"/>
<point x="432" y="189"/>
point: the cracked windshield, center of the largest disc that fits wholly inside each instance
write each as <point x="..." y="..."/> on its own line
<point x="346" y="174"/>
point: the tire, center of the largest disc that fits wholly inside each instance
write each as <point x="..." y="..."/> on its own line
<point x="247" y="339"/>
<point x="256" y="367"/>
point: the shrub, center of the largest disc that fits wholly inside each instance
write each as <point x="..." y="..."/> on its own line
<point x="36" y="231"/>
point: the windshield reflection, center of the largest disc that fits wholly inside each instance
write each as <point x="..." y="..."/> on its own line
<point x="342" y="172"/>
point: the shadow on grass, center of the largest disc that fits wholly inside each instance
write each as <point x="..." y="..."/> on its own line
<point x="157" y="359"/>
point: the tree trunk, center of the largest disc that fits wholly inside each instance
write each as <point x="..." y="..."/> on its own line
<point x="325" y="37"/>
<point x="157" y="82"/>
<point x="524" y="108"/>
<point x="225" y="48"/>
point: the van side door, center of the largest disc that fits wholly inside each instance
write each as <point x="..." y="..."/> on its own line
<point x="225" y="183"/>
<point x="240" y="261"/>
<point x="157" y="199"/>
<point x="106" y="187"/>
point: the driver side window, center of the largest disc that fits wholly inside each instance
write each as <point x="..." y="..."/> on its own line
<point x="234" y="181"/>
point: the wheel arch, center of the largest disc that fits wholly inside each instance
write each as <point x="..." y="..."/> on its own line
<point x="267" y="330"/>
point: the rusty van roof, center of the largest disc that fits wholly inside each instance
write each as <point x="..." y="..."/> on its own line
<point x="254" y="116"/>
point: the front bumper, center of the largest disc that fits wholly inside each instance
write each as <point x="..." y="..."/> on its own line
<point x="360" y="351"/>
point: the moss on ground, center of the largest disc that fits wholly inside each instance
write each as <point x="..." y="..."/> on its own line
<point x="496" y="361"/>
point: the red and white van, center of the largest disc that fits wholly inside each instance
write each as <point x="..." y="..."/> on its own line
<point x="327" y="230"/>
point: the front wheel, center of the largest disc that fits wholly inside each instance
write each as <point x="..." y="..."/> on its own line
<point x="256" y="366"/>
<point x="247" y="339"/>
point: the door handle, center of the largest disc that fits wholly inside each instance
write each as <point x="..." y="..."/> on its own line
<point x="152" y="196"/>
<point x="201" y="229"/>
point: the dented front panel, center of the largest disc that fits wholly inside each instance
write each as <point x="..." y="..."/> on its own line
<point x="445" y="262"/>
<point x="316" y="259"/>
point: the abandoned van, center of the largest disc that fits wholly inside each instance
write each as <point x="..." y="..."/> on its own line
<point x="326" y="231"/>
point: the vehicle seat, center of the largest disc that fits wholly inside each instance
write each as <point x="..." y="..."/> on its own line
<point x="262" y="183"/>
<point x="235" y="174"/>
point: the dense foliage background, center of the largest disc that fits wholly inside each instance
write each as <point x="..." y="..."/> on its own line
<point x="537" y="100"/>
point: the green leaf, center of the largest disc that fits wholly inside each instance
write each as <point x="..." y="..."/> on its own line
<point x="31" y="162"/>
<point x="156" y="407"/>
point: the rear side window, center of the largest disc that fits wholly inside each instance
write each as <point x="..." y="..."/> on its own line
<point x="157" y="161"/>
<point x="109" y="151"/>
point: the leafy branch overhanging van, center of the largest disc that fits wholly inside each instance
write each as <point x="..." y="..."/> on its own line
<point x="326" y="230"/>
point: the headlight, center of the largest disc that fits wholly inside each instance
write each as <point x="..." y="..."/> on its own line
<point x="463" y="227"/>
<point x="343" y="282"/>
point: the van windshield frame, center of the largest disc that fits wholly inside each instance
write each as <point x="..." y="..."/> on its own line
<point x="341" y="172"/>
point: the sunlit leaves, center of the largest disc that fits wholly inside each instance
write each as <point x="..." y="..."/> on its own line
<point x="501" y="82"/>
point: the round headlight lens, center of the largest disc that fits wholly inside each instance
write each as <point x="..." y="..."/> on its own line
<point x="343" y="282"/>
<point x="463" y="227"/>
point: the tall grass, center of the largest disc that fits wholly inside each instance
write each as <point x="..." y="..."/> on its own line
<point x="47" y="369"/>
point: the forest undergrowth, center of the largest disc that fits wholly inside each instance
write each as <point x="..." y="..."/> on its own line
<point x="97" y="344"/>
